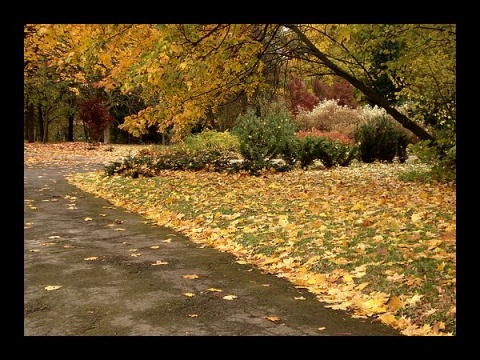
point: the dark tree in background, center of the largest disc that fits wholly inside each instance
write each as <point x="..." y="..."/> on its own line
<point x="388" y="51"/>
<point x="96" y="117"/>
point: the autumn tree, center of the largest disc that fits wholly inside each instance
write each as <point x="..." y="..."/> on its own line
<point x="50" y="94"/>
<point x="185" y="72"/>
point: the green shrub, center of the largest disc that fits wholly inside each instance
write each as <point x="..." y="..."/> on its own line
<point x="333" y="153"/>
<point x="442" y="156"/>
<point x="224" y="142"/>
<point x="309" y="150"/>
<point x="329" y="152"/>
<point x="264" y="137"/>
<point x="379" y="139"/>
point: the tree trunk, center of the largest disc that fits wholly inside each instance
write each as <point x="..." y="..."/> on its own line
<point x="70" y="127"/>
<point x="41" y="125"/>
<point x="30" y="124"/>
<point x="372" y="94"/>
<point x="107" y="134"/>
<point x="85" y="131"/>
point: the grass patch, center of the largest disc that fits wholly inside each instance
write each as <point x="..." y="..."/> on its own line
<point x="351" y="226"/>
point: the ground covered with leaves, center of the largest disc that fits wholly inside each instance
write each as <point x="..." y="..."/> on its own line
<point x="357" y="237"/>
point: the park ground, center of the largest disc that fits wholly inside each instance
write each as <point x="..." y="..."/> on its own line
<point x="356" y="239"/>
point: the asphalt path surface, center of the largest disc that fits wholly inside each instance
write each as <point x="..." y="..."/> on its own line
<point x="118" y="275"/>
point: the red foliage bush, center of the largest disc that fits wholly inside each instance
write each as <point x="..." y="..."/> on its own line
<point x="96" y="117"/>
<point x="328" y="135"/>
<point x="300" y="97"/>
<point x="340" y="90"/>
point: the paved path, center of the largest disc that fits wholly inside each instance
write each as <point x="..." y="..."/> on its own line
<point x="119" y="292"/>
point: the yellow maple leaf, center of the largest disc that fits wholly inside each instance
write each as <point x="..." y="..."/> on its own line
<point x="214" y="290"/>
<point x="395" y="303"/>
<point x="394" y="225"/>
<point x="358" y="206"/>
<point x="272" y="318"/>
<point x="190" y="276"/>
<point x="91" y="258"/>
<point x="416" y="217"/>
<point x="154" y="247"/>
<point x="414" y="299"/>
<point x="362" y="286"/>
<point x="375" y="304"/>
<point x="229" y="297"/>
<point x="283" y="220"/>
<point x="189" y="294"/>
<point x="88" y="219"/>
<point x="387" y="318"/>
<point x="395" y="277"/>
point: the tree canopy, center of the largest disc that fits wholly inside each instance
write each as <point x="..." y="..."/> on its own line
<point x="184" y="72"/>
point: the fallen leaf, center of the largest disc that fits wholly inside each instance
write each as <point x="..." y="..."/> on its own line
<point x="91" y="258"/>
<point x="299" y="298"/>
<point x="88" y="219"/>
<point x="192" y="315"/>
<point x="416" y="217"/>
<point x="229" y="297"/>
<point x="52" y="287"/>
<point x="119" y="229"/>
<point x="189" y="294"/>
<point x="414" y="299"/>
<point x="272" y="318"/>
<point x="192" y="276"/>
<point x="361" y="286"/>
<point x="154" y="247"/>
<point x="54" y="237"/>
<point x="136" y="255"/>
<point x="321" y="328"/>
<point x="215" y="290"/>
<point x="159" y="262"/>
<point x="387" y="318"/>
<point x="395" y="303"/>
